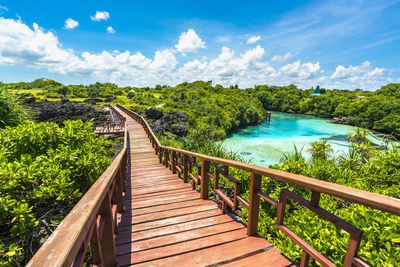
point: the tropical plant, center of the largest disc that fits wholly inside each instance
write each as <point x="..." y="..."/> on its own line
<point x="44" y="170"/>
<point x="320" y="149"/>
<point x="11" y="110"/>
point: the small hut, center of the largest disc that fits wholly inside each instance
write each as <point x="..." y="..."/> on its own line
<point x="317" y="92"/>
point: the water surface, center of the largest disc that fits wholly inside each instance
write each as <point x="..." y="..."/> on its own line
<point x="265" y="143"/>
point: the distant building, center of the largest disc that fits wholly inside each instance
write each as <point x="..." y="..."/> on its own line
<point x="317" y="92"/>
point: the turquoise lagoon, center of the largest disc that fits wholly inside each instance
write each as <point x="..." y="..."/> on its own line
<point x="266" y="142"/>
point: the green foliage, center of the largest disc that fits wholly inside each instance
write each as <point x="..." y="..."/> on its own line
<point x="44" y="166"/>
<point x="320" y="149"/>
<point x="11" y="111"/>
<point x="379" y="174"/>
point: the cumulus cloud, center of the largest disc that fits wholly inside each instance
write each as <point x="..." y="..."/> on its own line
<point x="100" y="15"/>
<point x="189" y="42"/>
<point x="19" y="44"/>
<point x="254" y="39"/>
<point x="35" y="47"/>
<point x="365" y="69"/>
<point x="301" y="71"/>
<point x="70" y="24"/>
<point x="361" y="76"/>
<point x="110" y="30"/>
<point x="281" y="58"/>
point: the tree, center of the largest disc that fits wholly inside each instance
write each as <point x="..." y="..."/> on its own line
<point x="320" y="149"/>
<point x="63" y="91"/>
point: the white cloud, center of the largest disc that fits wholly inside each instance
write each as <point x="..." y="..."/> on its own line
<point x="361" y="76"/>
<point x="34" y="47"/>
<point x="4" y="8"/>
<point x="70" y="24"/>
<point x="282" y="58"/>
<point x="110" y="30"/>
<point x="189" y="42"/>
<point x="19" y="44"/>
<point x="100" y="15"/>
<point x="254" y="39"/>
<point x="301" y="71"/>
<point x="365" y="69"/>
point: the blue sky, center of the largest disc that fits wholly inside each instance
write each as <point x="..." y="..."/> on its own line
<point x="336" y="44"/>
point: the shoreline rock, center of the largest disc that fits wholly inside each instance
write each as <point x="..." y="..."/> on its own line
<point x="60" y="111"/>
<point x="340" y="120"/>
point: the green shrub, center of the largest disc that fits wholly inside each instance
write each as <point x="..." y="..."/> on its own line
<point x="11" y="110"/>
<point x="44" y="166"/>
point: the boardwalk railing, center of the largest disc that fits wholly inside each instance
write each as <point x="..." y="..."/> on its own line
<point x="92" y="221"/>
<point x="115" y="126"/>
<point x="183" y="162"/>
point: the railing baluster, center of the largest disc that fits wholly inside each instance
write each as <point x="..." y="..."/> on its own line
<point x="185" y="168"/>
<point x="204" y="179"/>
<point x="160" y="151"/>
<point x="216" y="180"/>
<point x="305" y="259"/>
<point x="352" y="249"/>
<point x="166" y="158"/>
<point x="97" y="258"/>
<point x="107" y="242"/>
<point x="119" y="190"/>
<point x="236" y="194"/>
<point x="173" y="161"/>
<point x="254" y="204"/>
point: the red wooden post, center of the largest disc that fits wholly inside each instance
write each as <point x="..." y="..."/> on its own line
<point x="124" y="169"/>
<point x="107" y="242"/>
<point x="173" y="162"/>
<point x="166" y="157"/>
<point x="160" y="154"/>
<point x="119" y="191"/>
<point x="185" y="168"/>
<point x="97" y="258"/>
<point x="237" y="193"/>
<point x="254" y="204"/>
<point x="223" y="207"/>
<point x="216" y="180"/>
<point x="204" y="179"/>
<point x="305" y="259"/>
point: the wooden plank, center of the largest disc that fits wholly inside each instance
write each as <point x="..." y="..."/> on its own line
<point x="165" y="207"/>
<point x="159" y="197"/>
<point x="217" y="254"/>
<point x="169" y="221"/>
<point x="171" y="200"/>
<point x="272" y="257"/>
<point x="156" y="194"/>
<point x="185" y="247"/>
<point x="182" y="236"/>
<point x="198" y="223"/>
<point x="166" y="214"/>
<point x="163" y="188"/>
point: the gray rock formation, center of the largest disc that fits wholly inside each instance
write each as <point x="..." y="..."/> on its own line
<point x="174" y="122"/>
<point x="153" y="113"/>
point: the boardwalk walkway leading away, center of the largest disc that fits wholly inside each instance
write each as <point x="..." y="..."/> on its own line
<point x="165" y="223"/>
<point x="144" y="210"/>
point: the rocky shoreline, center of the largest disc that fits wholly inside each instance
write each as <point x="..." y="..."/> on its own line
<point x="60" y="111"/>
<point x="173" y="121"/>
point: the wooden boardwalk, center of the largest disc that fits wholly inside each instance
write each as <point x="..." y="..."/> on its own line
<point x="165" y="223"/>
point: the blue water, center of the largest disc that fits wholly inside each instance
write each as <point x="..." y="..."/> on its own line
<point x="265" y="144"/>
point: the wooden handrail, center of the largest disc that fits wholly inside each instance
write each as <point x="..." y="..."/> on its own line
<point x="168" y="156"/>
<point x="373" y="200"/>
<point x="91" y="221"/>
